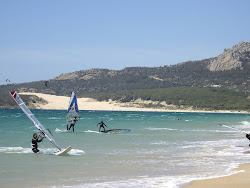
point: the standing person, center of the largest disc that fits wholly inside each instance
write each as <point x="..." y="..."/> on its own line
<point x="34" y="142"/>
<point x="73" y="124"/>
<point x="101" y="126"/>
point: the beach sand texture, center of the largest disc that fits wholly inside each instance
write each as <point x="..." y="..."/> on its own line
<point x="239" y="180"/>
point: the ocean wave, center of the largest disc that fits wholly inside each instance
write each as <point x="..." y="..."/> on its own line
<point x="159" y="129"/>
<point x="202" y="130"/>
<point x="46" y="151"/>
<point x="54" y="118"/>
<point x="159" y="143"/>
<point x="243" y="125"/>
<point x="162" y="181"/>
<point x="15" y="150"/>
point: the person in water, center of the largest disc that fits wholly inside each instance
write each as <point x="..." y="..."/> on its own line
<point x="35" y="140"/>
<point x="101" y="126"/>
<point x="248" y="137"/>
<point x="72" y="124"/>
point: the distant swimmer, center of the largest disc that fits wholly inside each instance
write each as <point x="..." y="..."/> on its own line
<point x="34" y="142"/>
<point x="101" y="126"/>
<point x="177" y="118"/>
<point x="72" y="125"/>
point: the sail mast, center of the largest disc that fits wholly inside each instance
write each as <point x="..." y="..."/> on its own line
<point x="31" y="116"/>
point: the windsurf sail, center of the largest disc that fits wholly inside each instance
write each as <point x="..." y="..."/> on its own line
<point x="31" y="116"/>
<point x="73" y="112"/>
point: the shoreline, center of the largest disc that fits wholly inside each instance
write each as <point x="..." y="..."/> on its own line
<point x="239" y="178"/>
<point x="61" y="103"/>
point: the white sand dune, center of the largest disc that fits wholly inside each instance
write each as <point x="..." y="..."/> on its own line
<point x="61" y="103"/>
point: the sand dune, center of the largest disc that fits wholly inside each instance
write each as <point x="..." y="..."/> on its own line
<point x="61" y="103"/>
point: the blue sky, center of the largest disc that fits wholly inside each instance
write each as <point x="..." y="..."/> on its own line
<point x="43" y="39"/>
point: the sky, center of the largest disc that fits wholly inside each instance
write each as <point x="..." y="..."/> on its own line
<point x="40" y="40"/>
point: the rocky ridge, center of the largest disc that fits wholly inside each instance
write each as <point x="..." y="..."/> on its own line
<point x="231" y="58"/>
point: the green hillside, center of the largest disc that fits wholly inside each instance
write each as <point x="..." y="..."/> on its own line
<point x="215" y="83"/>
<point x="198" y="98"/>
<point x="6" y="101"/>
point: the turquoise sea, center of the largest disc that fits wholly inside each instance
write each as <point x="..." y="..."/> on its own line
<point x="160" y="151"/>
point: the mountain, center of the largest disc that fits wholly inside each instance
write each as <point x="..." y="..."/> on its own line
<point x="232" y="58"/>
<point x="228" y="71"/>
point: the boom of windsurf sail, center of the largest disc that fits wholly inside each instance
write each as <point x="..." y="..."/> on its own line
<point x="73" y="112"/>
<point x="31" y="116"/>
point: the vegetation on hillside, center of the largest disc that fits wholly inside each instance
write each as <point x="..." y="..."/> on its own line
<point x="6" y="101"/>
<point x="184" y="84"/>
<point x="192" y="74"/>
<point x="198" y="98"/>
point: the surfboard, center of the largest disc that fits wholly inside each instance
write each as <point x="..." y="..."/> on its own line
<point x="63" y="152"/>
<point x="116" y="131"/>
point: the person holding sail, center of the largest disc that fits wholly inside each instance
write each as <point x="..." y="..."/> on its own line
<point x="34" y="144"/>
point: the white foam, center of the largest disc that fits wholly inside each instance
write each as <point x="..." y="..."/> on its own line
<point x="15" y="150"/>
<point x="90" y="131"/>
<point x="160" y="143"/>
<point x="59" y="130"/>
<point x="54" y="118"/>
<point x="76" y="152"/>
<point x="244" y="125"/>
<point x="159" y="129"/>
<point x="149" y="182"/>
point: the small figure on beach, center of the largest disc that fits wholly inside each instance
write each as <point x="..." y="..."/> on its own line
<point x="72" y="125"/>
<point x="101" y="126"/>
<point x="35" y="140"/>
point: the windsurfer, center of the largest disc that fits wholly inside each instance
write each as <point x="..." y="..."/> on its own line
<point x="72" y="124"/>
<point x="101" y="126"/>
<point x="34" y="142"/>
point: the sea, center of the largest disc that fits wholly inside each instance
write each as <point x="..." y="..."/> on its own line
<point x="163" y="149"/>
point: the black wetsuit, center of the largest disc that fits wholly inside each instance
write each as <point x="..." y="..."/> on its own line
<point x="248" y="137"/>
<point x="34" y="144"/>
<point x="72" y="125"/>
<point x="101" y="126"/>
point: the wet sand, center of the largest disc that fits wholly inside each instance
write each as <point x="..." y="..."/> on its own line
<point x="239" y="180"/>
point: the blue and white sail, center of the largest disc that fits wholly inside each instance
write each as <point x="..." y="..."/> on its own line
<point x="31" y="116"/>
<point x="73" y="114"/>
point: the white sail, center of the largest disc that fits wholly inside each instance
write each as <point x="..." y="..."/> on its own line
<point x="31" y="116"/>
<point x="73" y="112"/>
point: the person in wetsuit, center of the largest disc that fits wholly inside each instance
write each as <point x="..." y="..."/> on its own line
<point x="35" y="140"/>
<point x="101" y="126"/>
<point x="73" y="124"/>
<point x="248" y="137"/>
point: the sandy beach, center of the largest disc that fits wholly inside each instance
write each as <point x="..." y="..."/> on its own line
<point x="240" y="180"/>
<point x="61" y="103"/>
